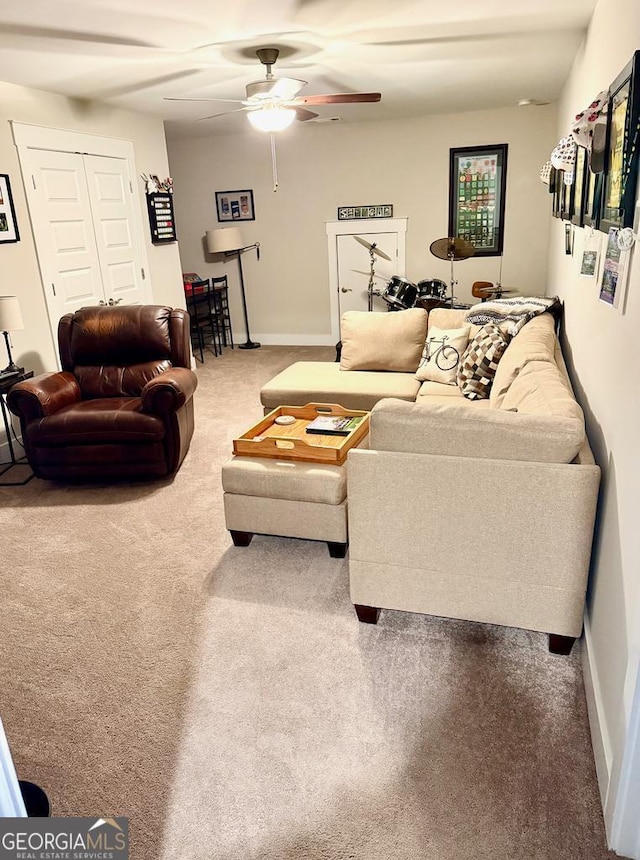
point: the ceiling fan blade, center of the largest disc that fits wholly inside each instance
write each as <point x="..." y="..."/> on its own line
<point x="229" y="101"/>
<point x="302" y="114"/>
<point x="286" y="88"/>
<point x="336" y="99"/>
<point x="216" y="115"/>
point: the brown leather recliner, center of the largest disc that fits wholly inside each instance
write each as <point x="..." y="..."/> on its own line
<point x="122" y="407"/>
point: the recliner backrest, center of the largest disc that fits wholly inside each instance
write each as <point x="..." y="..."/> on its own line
<point x="114" y="351"/>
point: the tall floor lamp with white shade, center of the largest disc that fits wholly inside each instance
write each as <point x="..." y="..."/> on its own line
<point x="228" y="241"/>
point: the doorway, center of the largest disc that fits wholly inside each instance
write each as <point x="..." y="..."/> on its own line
<point x="349" y="263"/>
<point x="85" y="216"/>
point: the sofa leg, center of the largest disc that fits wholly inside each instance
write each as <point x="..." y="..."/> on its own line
<point x="337" y="550"/>
<point x="560" y="644"/>
<point x="367" y="614"/>
<point x="240" y="538"/>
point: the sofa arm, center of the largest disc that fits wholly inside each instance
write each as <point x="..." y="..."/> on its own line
<point x="468" y="430"/>
<point x="168" y="391"/>
<point x="496" y="541"/>
<point x="43" y="395"/>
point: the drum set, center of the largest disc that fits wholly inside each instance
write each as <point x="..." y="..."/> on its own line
<point x="402" y="294"/>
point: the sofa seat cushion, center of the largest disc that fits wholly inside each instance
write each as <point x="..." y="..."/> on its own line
<point x="285" y="479"/>
<point x="459" y="431"/>
<point x="324" y="382"/>
<point x="383" y="341"/>
<point x="535" y="341"/>
<point x="110" y="420"/>
<point x="540" y="388"/>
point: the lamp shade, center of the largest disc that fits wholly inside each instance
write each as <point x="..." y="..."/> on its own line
<point x="224" y="239"/>
<point x="10" y="316"/>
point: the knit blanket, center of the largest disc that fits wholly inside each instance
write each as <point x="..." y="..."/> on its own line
<point x="512" y="314"/>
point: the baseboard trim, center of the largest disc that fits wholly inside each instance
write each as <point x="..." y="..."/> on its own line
<point x="600" y="738"/>
<point x="287" y="339"/>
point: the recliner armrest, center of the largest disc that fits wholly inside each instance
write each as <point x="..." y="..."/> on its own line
<point x="43" y="395"/>
<point x="168" y="391"/>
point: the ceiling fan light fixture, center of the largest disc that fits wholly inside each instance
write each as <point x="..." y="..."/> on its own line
<point x="271" y="118"/>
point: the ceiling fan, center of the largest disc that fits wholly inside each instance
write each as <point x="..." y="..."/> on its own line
<point x="273" y="104"/>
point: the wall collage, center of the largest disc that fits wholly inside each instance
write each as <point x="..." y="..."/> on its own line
<point x="592" y="177"/>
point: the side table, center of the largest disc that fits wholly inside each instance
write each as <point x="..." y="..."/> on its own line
<point x="6" y="383"/>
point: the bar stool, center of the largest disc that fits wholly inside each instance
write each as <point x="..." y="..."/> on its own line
<point x="220" y="293"/>
<point x="200" y="302"/>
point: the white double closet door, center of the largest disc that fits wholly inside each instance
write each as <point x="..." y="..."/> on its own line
<point x="83" y="219"/>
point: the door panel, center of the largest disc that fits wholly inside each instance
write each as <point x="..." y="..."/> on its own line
<point x="111" y="199"/>
<point x="354" y="266"/>
<point x="65" y="243"/>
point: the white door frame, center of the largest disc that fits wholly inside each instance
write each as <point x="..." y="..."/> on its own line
<point x="28" y="136"/>
<point x="348" y="228"/>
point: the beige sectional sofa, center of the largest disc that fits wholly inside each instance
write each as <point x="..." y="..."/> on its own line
<point x="480" y="510"/>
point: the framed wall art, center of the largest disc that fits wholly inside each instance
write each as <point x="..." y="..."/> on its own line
<point x="593" y="184"/>
<point x="621" y="153"/>
<point x="477" y="190"/>
<point x="579" y="182"/>
<point x="8" y="224"/>
<point x="235" y="205"/>
<point x="613" y="279"/>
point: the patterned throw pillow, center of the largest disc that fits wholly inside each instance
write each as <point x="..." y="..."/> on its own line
<point x="480" y="362"/>
<point x="441" y="355"/>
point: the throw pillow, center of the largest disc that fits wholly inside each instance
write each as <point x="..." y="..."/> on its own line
<point x="383" y="341"/>
<point x="480" y="362"/>
<point x="441" y="355"/>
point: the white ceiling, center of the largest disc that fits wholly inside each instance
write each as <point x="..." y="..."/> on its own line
<point x="433" y="56"/>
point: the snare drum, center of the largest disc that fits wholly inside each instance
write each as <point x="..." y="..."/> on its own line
<point x="432" y="288"/>
<point x="400" y="292"/>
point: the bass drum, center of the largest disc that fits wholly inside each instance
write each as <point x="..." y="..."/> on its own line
<point x="432" y="289"/>
<point x="400" y="292"/>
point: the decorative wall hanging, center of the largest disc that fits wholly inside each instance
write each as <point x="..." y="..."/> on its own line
<point x="477" y="188"/>
<point x="8" y="224"/>
<point x="347" y="213"/>
<point x="621" y="150"/>
<point x="613" y="282"/>
<point x="162" y="221"/>
<point x="589" y="265"/>
<point x="235" y="206"/>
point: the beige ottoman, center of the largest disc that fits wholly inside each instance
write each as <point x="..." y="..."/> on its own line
<point x="286" y="498"/>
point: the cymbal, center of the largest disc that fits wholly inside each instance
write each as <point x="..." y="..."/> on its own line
<point x="371" y="247"/>
<point x="494" y="290"/>
<point x="362" y="272"/>
<point x="452" y="248"/>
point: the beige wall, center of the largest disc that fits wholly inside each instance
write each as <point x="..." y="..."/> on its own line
<point x="19" y="273"/>
<point x="321" y="167"/>
<point x="604" y="355"/>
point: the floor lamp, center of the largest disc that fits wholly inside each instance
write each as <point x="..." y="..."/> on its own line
<point x="228" y="241"/>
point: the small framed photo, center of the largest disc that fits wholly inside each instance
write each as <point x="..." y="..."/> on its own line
<point x="8" y="224"/>
<point x="589" y="266"/>
<point x="235" y="206"/>
<point x="579" y="186"/>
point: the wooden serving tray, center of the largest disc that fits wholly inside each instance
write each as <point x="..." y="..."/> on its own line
<point x="292" y="442"/>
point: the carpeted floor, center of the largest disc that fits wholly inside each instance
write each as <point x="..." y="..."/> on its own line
<point x="230" y="704"/>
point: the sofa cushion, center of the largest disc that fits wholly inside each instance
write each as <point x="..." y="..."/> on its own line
<point x="534" y="342"/>
<point x="541" y="389"/>
<point x="285" y="479"/>
<point x="324" y="382"/>
<point x="451" y="318"/>
<point x="441" y="355"/>
<point x="480" y="362"/>
<point x="383" y="341"/>
<point x="466" y="431"/>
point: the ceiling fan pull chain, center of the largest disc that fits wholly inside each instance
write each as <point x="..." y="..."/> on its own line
<point x="274" y="162"/>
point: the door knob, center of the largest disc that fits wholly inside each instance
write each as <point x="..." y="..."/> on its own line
<point x="346" y="290"/>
